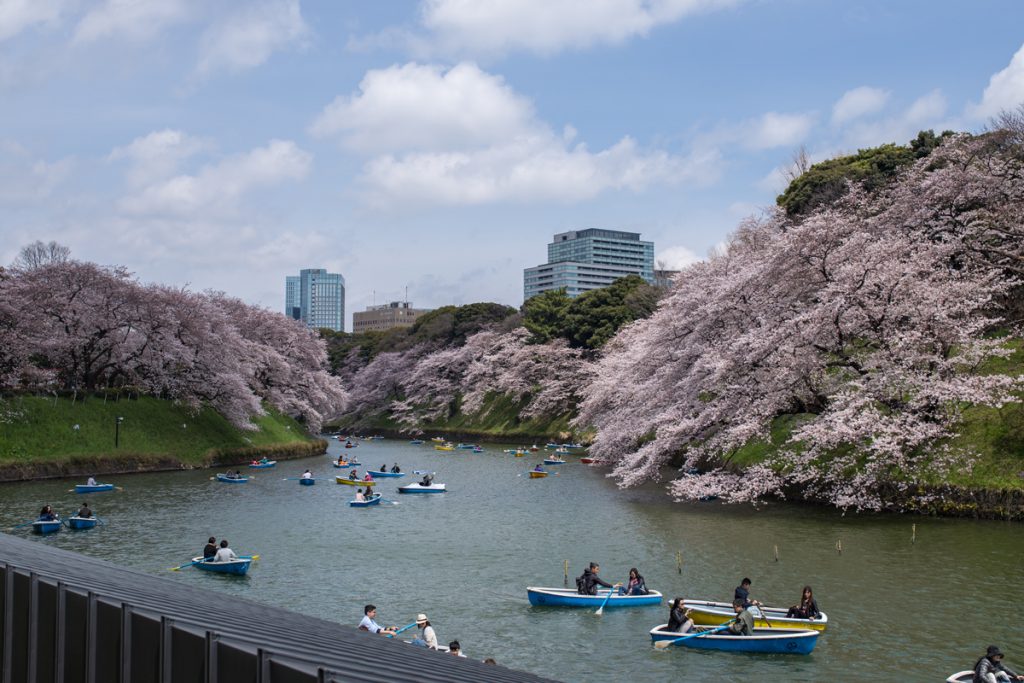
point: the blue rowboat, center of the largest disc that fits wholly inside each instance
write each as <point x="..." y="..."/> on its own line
<point x="567" y="597"/>
<point x="46" y="527"/>
<point x="93" y="488"/>
<point x="231" y="480"/>
<point x="466" y="446"/>
<point x="420" y="488"/>
<point x="380" y="475"/>
<point x="307" y="482"/>
<point x="77" y="522"/>
<point x="372" y="500"/>
<point x="794" y="641"/>
<point x="237" y="567"/>
<point x="553" y="461"/>
<point x="346" y="466"/>
<point x="262" y="465"/>
<point x="416" y="442"/>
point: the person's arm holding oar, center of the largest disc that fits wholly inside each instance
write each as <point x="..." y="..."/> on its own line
<point x="404" y="628"/>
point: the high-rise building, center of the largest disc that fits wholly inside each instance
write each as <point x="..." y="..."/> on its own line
<point x="317" y="298"/>
<point x="386" y="317"/>
<point x="582" y="260"/>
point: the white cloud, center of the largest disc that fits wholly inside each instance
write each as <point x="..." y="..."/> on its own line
<point x="134" y="20"/>
<point x="926" y="112"/>
<point x="1005" y="90"/>
<point x="548" y="26"/>
<point x="857" y="103"/>
<point x="218" y="187"/>
<point x="676" y="257"/>
<point x="778" y="130"/>
<point x="248" y="38"/>
<point x="463" y="136"/>
<point x="24" y="181"/>
<point x="18" y="15"/>
<point x="157" y="155"/>
<point x="425" y="107"/>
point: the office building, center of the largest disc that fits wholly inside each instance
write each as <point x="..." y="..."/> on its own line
<point x="582" y="260"/>
<point x="317" y="298"/>
<point x="386" y="317"/>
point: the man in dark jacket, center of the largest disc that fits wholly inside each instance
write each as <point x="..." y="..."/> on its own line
<point x="211" y="548"/>
<point x="990" y="669"/>
<point x="589" y="582"/>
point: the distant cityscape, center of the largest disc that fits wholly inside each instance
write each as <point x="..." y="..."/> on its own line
<point x="578" y="261"/>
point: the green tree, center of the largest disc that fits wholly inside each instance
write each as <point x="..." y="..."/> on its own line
<point x="544" y="315"/>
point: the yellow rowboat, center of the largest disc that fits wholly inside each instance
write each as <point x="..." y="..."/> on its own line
<point x="445" y="447"/>
<point x="707" y="613"/>
<point x="353" y="482"/>
<point x="534" y="474"/>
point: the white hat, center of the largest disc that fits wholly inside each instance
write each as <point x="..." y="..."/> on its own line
<point x="421" y="617"/>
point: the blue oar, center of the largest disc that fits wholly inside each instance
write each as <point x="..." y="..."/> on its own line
<point x="662" y="644"/>
<point x="600" y="610"/>
<point x="392" y="502"/>
<point x="25" y="524"/>
<point x="404" y="628"/>
<point x="187" y="564"/>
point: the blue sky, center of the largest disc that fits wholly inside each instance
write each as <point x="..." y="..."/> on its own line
<point x="439" y="144"/>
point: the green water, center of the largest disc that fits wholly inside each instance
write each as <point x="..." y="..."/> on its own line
<point x="898" y="610"/>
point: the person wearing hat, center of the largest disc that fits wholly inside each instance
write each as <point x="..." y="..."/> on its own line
<point x="990" y="669"/>
<point x="427" y="637"/>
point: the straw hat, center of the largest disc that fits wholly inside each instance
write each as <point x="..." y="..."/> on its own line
<point x="420" y="618"/>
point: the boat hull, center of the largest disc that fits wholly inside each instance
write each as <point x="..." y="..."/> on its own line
<point x="444" y="448"/>
<point x="232" y="480"/>
<point x="342" y="467"/>
<point x="419" y="488"/>
<point x="40" y="527"/>
<point x="77" y="522"/>
<point x="374" y="500"/>
<point x="566" y="597"/>
<point x="961" y="677"/>
<point x="792" y="641"/>
<point x="307" y="482"/>
<point x="552" y="461"/>
<point x="236" y="567"/>
<point x="709" y="613"/>
<point x="534" y="474"/>
<point x="95" y="488"/>
<point x="352" y="482"/>
<point x="262" y="465"/>
<point x="383" y="475"/>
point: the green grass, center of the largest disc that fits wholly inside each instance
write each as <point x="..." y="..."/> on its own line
<point x="40" y="429"/>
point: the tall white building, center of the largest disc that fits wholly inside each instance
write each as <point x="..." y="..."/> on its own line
<point x="317" y="298"/>
<point x="582" y="260"/>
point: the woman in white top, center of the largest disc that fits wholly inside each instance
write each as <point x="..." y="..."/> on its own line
<point x="427" y="634"/>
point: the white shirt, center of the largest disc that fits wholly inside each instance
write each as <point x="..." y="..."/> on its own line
<point x="360" y="497"/>
<point x="371" y="625"/>
<point x="225" y="555"/>
<point x="430" y="637"/>
<point x="91" y="482"/>
<point x="307" y="475"/>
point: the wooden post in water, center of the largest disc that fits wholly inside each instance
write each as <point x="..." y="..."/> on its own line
<point x="776" y="553"/>
<point x="913" y="533"/>
<point x="679" y="561"/>
<point x="839" y="546"/>
<point x="565" y="571"/>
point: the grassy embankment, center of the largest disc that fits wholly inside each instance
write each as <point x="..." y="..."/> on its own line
<point x="38" y="437"/>
<point x="994" y="435"/>
<point x="498" y="421"/>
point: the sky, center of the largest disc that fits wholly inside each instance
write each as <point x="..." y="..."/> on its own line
<point x="436" y="146"/>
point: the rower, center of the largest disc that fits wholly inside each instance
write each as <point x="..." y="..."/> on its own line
<point x="210" y="549"/>
<point x="84" y="511"/>
<point x="395" y="469"/>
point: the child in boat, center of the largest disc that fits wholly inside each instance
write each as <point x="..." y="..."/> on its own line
<point x="807" y="608"/>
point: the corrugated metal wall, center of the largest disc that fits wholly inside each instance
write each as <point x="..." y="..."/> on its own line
<point x="69" y="618"/>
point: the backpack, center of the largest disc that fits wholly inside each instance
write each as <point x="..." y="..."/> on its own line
<point x="581" y="586"/>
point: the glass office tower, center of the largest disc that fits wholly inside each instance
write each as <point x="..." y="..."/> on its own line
<point x="582" y="260"/>
<point x="317" y="298"/>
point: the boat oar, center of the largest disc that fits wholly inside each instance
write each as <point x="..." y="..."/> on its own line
<point x="24" y="525"/>
<point x="392" y="502"/>
<point x="183" y="566"/>
<point x="662" y="644"/>
<point x="404" y="628"/>
<point x="764" y="615"/>
<point x="600" y="610"/>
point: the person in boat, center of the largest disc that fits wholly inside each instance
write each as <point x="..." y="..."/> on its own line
<point x="587" y="583"/>
<point x="990" y="668"/>
<point x="368" y="493"/>
<point x="395" y="469"/>
<point x="455" y="648"/>
<point x="679" y="620"/>
<point x="427" y="480"/>
<point x="210" y="549"/>
<point x="307" y="475"/>
<point x="360" y="498"/>
<point x="807" y="608"/>
<point x="341" y="460"/>
<point x="85" y="511"/>
<point x="367" y="477"/>
<point x="47" y="514"/>
<point x="743" y="625"/>
<point x="635" y="585"/>
<point x="353" y="475"/>
<point x="426" y="637"/>
<point x="368" y="623"/>
<point x="91" y="481"/>
<point x="384" y="467"/>
<point x="743" y="593"/>
<point x="224" y="553"/>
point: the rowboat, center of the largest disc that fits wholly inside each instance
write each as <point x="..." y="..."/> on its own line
<point x="46" y="527"/>
<point x="478" y="449"/>
<point x="93" y="488"/>
<point x="416" y="442"/>
<point x="372" y="500"/>
<point x="344" y="465"/>
<point x="567" y="597"/>
<point x="352" y="482"/>
<point x="237" y="567"/>
<point x="961" y="677"/>
<point x="796" y="641"/>
<point x="553" y="461"/>
<point x="466" y="446"/>
<point x="714" y="613"/>
<point x="306" y="481"/>
<point x="262" y="465"/>
<point x="379" y="475"/>
<point x="444" y="447"/>
<point x="534" y="474"/>
<point x="77" y="522"/>
<point x="351" y="445"/>
<point x="551" y="445"/>
<point x="439" y="439"/>
<point x="231" y="480"/>
<point x="420" y="488"/>
<point x="520" y="452"/>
